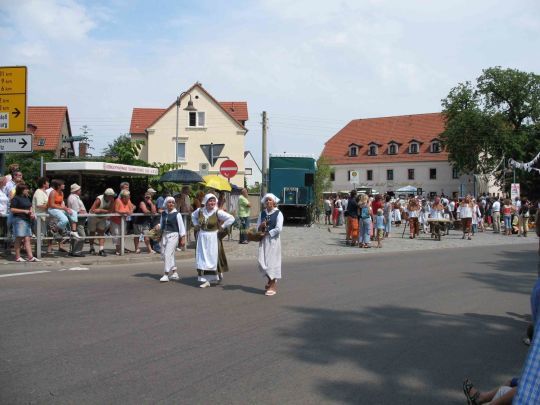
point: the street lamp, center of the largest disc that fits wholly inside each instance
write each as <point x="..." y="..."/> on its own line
<point x="189" y="107"/>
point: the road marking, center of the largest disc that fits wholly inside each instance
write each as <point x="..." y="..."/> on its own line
<point x="75" y="269"/>
<point x="24" y="274"/>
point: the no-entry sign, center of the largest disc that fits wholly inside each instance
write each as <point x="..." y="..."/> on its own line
<point x="228" y="168"/>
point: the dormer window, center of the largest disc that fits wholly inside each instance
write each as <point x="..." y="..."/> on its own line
<point x="392" y="149"/>
<point x="435" y="147"/>
<point x="354" y="149"/>
<point x="413" y="147"/>
<point x="372" y="150"/>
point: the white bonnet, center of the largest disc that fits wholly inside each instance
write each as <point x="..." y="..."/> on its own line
<point x="208" y="197"/>
<point x="271" y="196"/>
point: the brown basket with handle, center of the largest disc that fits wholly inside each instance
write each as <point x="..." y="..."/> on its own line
<point x="254" y="236"/>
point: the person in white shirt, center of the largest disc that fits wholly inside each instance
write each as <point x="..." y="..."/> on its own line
<point x="40" y="200"/>
<point x="466" y="214"/>
<point x="496" y="215"/>
<point x="75" y="203"/>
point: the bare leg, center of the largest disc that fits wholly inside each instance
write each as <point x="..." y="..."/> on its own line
<point x="17" y="247"/>
<point x="28" y="246"/>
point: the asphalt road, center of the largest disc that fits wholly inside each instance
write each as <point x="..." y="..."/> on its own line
<point x="398" y="328"/>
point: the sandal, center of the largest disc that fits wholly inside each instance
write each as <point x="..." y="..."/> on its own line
<point x="138" y="251"/>
<point x="270" y="292"/>
<point x="467" y="387"/>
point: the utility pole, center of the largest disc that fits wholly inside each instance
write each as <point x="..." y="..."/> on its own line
<point x="264" y="186"/>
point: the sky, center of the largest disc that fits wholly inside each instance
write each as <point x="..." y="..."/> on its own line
<point x="312" y="65"/>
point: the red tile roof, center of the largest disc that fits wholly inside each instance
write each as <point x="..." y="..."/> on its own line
<point x="142" y="118"/>
<point x="46" y="123"/>
<point x="238" y="109"/>
<point x="402" y="129"/>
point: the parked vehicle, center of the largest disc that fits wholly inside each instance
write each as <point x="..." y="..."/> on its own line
<point x="291" y="178"/>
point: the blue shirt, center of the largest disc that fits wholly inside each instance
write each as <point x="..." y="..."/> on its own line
<point x="380" y="222"/>
<point x="529" y="383"/>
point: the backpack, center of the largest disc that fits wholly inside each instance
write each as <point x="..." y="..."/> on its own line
<point x="364" y="213"/>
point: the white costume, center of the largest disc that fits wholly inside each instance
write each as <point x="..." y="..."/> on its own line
<point x="269" y="258"/>
<point x="207" y="240"/>
<point x="169" y="237"/>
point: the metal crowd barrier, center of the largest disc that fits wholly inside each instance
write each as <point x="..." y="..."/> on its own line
<point x="39" y="238"/>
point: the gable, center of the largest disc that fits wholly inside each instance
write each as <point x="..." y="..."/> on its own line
<point x="46" y="124"/>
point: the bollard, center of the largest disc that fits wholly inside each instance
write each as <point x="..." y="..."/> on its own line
<point x="122" y="234"/>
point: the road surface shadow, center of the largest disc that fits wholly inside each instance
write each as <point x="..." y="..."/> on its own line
<point x="236" y="287"/>
<point x="153" y="276"/>
<point x="515" y="271"/>
<point x="396" y="355"/>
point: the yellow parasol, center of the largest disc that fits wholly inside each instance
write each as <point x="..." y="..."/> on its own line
<point x="217" y="182"/>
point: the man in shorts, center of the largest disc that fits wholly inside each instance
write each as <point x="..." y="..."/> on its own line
<point x="104" y="204"/>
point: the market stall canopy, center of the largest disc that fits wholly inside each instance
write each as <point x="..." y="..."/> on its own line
<point x="217" y="182"/>
<point x="406" y="189"/>
<point x="182" y="176"/>
<point x="100" y="168"/>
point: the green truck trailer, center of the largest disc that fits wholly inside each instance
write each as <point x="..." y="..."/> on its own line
<point x="291" y="178"/>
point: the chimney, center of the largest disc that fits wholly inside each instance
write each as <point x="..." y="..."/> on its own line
<point x="83" y="149"/>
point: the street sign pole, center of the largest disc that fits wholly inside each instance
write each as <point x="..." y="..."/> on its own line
<point x="13" y="81"/>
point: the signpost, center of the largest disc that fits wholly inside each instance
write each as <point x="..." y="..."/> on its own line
<point x="515" y="191"/>
<point x="13" y="99"/>
<point x="355" y="177"/>
<point x="228" y="168"/>
<point x="16" y="143"/>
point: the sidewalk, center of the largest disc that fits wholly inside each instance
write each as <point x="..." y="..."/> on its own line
<point x="296" y="241"/>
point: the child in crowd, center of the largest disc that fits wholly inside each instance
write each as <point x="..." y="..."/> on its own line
<point x="380" y="226"/>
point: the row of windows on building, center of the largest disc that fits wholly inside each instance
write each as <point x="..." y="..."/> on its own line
<point x="411" y="173"/>
<point x="393" y="148"/>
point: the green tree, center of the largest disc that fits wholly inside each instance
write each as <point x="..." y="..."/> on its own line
<point x="322" y="181"/>
<point x="493" y="119"/>
<point x="125" y="150"/>
<point x="29" y="165"/>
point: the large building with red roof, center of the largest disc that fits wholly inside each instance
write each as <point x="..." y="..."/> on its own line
<point x="186" y="138"/>
<point x="389" y="153"/>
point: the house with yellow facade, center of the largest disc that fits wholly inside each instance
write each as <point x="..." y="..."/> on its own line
<point x="198" y="137"/>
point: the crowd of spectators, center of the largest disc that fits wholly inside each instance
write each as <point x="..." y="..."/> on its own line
<point x="64" y="218"/>
<point x="363" y="215"/>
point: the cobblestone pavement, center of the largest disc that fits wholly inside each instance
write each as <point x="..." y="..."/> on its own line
<point x="321" y="240"/>
<point x="296" y="241"/>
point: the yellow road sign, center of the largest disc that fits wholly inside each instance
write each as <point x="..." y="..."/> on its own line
<point x="12" y="113"/>
<point x="13" y="99"/>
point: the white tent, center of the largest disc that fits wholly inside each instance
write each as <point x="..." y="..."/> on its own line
<point x="406" y="189"/>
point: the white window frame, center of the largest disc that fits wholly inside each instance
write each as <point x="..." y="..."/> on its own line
<point x="351" y="149"/>
<point x="433" y="147"/>
<point x="198" y="122"/>
<point x="181" y="158"/>
<point x="392" y="149"/>
<point x="455" y="173"/>
<point x="411" y="148"/>
<point x="375" y="149"/>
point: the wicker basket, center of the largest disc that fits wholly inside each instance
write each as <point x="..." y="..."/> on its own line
<point x="254" y="236"/>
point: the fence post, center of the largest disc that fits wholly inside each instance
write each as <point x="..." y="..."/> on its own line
<point x="122" y="234"/>
<point x="38" y="237"/>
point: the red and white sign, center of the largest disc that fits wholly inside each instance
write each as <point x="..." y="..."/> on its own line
<point x="228" y="168"/>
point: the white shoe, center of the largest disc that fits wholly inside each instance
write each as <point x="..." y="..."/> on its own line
<point x="164" y="279"/>
<point x="174" y="276"/>
<point x="74" y="235"/>
<point x="205" y="284"/>
<point x="34" y="259"/>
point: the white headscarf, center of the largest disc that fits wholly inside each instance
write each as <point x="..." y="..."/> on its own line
<point x="207" y="197"/>
<point x="271" y="196"/>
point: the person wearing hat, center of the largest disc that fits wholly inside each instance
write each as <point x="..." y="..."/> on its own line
<point x="210" y="255"/>
<point x="270" y="222"/>
<point x="173" y="233"/>
<point x="75" y="203"/>
<point x="104" y="204"/>
<point x="125" y="207"/>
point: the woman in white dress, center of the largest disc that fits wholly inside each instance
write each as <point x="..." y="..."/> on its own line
<point x="271" y="223"/>
<point x="208" y="221"/>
